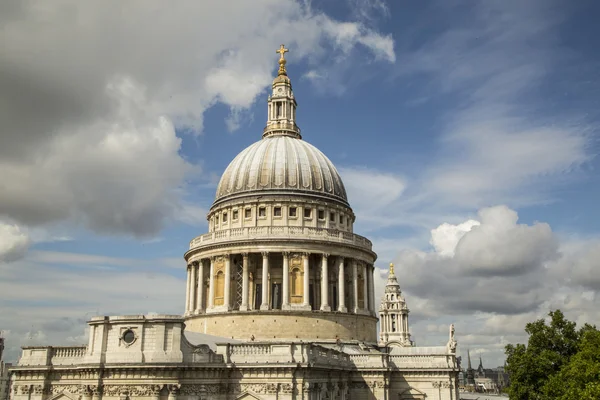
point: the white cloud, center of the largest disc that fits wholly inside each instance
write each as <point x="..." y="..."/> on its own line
<point x="92" y="112"/>
<point x="501" y="246"/>
<point x="495" y="266"/>
<point x="13" y="243"/>
<point x="580" y="264"/>
<point x="445" y="237"/>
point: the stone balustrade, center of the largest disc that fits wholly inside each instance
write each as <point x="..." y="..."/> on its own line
<point x="68" y="352"/>
<point x="420" y="361"/>
<point x="376" y="360"/>
<point x="413" y="361"/>
<point x="281" y="353"/>
<point x="281" y="232"/>
<point x="49" y="355"/>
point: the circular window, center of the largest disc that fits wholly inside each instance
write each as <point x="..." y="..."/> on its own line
<point x="128" y="336"/>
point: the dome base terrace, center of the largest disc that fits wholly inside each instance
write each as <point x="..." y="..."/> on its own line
<point x="276" y="325"/>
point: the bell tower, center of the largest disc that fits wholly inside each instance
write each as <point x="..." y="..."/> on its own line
<point x="393" y="315"/>
<point x="281" y="114"/>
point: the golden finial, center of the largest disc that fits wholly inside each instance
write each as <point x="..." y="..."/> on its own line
<point x="392" y="268"/>
<point x="282" y="50"/>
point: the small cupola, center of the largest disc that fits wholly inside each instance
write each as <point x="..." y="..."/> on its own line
<point x="281" y="114"/>
<point x="393" y="314"/>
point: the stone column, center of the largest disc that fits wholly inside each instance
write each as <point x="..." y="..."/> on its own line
<point x="372" y="289"/>
<point x="285" y="304"/>
<point x="265" y="281"/>
<point x="355" y="284"/>
<point x="192" y="289"/>
<point x="200" y="289"/>
<point x="211" y="284"/>
<point x="227" y="289"/>
<point x="244" y="305"/>
<point x="325" y="284"/>
<point x="306" y="303"/>
<point x="187" y="288"/>
<point x="365" y="287"/>
<point x="341" y="286"/>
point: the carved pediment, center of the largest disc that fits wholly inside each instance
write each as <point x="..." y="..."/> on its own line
<point x="248" y="396"/>
<point x="412" y="394"/>
<point x="64" y="396"/>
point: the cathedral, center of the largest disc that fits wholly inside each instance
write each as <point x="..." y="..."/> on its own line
<point x="280" y="301"/>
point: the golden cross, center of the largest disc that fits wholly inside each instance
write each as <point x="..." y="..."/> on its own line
<point x="282" y="50"/>
<point x="391" y="268"/>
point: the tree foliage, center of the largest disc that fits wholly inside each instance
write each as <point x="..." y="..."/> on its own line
<point x="559" y="361"/>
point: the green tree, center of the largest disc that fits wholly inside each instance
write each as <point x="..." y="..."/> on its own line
<point x="579" y="379"/>
<point x="550" y="346"/>
<point x="559" y="362"/>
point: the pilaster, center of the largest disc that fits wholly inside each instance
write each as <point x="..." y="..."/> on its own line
<point x="325" y="283"/>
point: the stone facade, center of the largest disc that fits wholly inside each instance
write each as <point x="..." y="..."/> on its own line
<point x="133" y="357"/>
<point x="280" y="301"/>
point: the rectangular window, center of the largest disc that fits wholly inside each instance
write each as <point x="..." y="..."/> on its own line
<point x="224" y="217"/>
<point x="217" y="220"/>
<point x="341" y="219"/>
<point x="262" y="212"/>
<point x="248" y="213"/>
<point x="235" y="214"/>
<point x="292" y="212"/>
<point x="277" y="211"/>
<point x="307" y="212"/>
<point x="321" y="214"/>
<point x="332" y="217"/>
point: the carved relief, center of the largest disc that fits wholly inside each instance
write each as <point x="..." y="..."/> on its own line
<point x="23" y="389"/>
<point x="38" y="389"/>
<point x="113" y="390"/>
<point x="145" y="390"/>
<point x="195" y="390"/>
<point x="259" y="388"/>
<point x="73" y="389"/>
<point x="286" y="388"/>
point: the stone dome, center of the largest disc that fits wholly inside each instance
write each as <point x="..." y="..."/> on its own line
<point x="281" y="164"/>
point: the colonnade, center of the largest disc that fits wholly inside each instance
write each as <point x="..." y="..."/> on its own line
<point x="230" y="282"/>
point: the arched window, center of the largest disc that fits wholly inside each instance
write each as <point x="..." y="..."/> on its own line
<point x="219" y="288"/>
<point x="296" y="286"/>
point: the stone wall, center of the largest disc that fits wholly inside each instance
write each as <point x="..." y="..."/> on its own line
<point x="278" y="325"/>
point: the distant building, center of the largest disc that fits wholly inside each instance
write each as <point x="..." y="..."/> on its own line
<point x="482" y="380"/>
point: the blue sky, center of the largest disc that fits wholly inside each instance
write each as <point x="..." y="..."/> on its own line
<point x="441" y="116"/>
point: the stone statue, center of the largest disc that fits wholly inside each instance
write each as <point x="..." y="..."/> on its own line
<point x="451" y="346"/>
